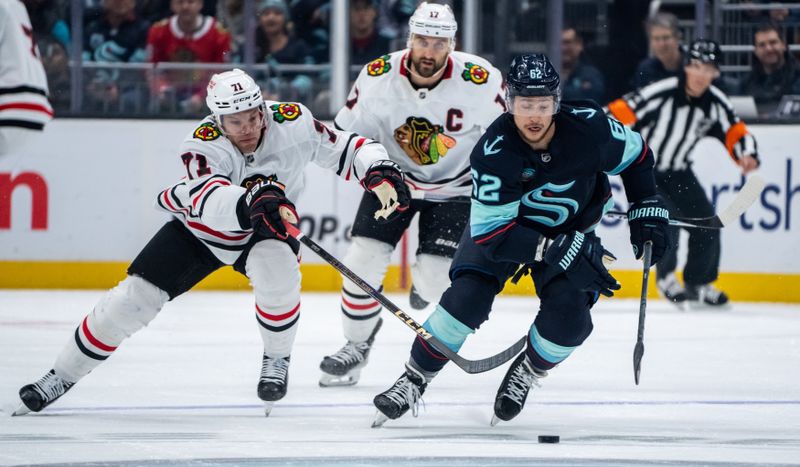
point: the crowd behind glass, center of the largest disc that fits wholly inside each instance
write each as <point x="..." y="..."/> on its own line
<point x="138" y="55"/>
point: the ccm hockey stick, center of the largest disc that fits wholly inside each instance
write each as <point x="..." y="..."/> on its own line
<point x="744" y="199"/>
<point x="470" y="366"/>
<point x="638" y="350"/>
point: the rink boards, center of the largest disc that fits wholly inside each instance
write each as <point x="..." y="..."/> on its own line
<point x="77" y="205"/>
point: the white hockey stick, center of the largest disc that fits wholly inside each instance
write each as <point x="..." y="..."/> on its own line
<point x="744" y="199"/>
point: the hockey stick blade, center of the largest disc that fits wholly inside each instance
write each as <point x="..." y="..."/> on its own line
<point x="470" y="366"/>
<point x="638" y="350"/>
<point x="744" y="199"/>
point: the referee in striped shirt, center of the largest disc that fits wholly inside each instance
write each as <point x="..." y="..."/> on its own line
<point x="672" y="115"/>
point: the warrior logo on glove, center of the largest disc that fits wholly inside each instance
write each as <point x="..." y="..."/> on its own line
<point x="648" y="220"/>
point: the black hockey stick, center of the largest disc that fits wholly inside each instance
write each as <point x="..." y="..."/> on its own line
<point x="470" y="366"/>
<point x="744" y="199"/>
<point x="638" y="350"/>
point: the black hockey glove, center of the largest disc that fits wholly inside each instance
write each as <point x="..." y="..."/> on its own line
<point x="648" y="220"/>
<point x="268" y="207"/>
<point x="384" y="179"/>
<point x="581" y="258"/>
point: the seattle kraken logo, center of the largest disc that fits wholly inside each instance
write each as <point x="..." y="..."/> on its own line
<point x="536" y="199"/>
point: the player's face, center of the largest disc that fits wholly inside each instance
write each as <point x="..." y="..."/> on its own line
<point x="244" y="129"/>
<point x="428" y="54"/>
<point x="533" y="116"/>
<point x="699" y="77"/>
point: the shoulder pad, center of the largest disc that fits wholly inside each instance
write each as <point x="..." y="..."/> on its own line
<point x="379" y="66"/>
<point x="207" y="131"/>
<point x="285" y="111"/>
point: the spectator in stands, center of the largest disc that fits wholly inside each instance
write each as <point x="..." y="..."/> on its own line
<point x="56" y="65"/>
<point x="115" y="34"/>
<point x="665" y="46"/>
<point x="774" y="72"/>
<point x="154" y="11"/>
<point x="311" y="20"/>
<point x="579" y="80"/>
<point x="275" y="45"/>
<point x="186" y="36"/>
<point x="48" y="20"/>
<point x="230" y="14"/>
<point x="366" y="43"/>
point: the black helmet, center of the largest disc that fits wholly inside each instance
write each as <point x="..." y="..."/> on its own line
<point x="704" y="51"/>
<point x="532" y="75"/>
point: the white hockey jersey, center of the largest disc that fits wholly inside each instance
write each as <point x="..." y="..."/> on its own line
<point x="23" y="83"/>
<point x="218" y="173"/>
<point x="430" y="133"/>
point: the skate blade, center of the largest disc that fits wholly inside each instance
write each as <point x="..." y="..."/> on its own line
<point x="268" y="408"/>
<point x="380" y="419"/>
<point x="495" y="420"/>
<point x="329" y="381"/>
<point x="21" y="410"/>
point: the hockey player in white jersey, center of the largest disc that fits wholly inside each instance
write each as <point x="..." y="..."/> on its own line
<point x="24" y="108"/>
<point x="428" y="105"/>
<point x="244" y="168"/>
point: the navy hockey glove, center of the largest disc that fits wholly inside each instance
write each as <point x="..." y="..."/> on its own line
<point x="648" y="220"/>
<point x="384" y="179"/>
<point x="268" y="207"/>
<point x="581" y="258"/>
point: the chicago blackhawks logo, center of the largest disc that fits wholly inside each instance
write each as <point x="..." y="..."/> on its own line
<point x="379" y="66"/>
<point x="283" y="112"/>
<point x="207" y="132"/>
<point x="423" y="141"/>
<point x="475" y="73"/>
<point x="248" y="182"/>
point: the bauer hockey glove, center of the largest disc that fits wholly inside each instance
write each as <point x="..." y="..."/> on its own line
<point x="581" y="258"/>
<point x="268" y="207"/>
<point x="648" y="220"/>
<point x="384" y="179"/>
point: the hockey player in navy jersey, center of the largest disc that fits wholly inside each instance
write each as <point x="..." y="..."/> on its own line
<point x="540" y="186"/>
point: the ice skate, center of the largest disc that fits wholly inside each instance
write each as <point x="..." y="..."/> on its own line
<point x="344" y="367"/>
<point x="672" y="290"/>
<point x="403" y="395"/>
<point x="514" y="389"/>
<point x="42" y="393"/>
<point x="273" y="381"/>
<point x="415" y="300"/>
<point x="707" y="295"/>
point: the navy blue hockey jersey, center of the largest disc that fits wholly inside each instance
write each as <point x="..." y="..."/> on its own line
<point x="520" y="193"/>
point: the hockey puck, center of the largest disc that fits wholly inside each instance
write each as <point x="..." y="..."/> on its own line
<point x="550" y="439"/>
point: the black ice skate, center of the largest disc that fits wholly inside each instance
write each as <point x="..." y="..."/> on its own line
<point x="273" y="381"/>
<point x="414" y="299"/>
<point x="344" y="367"/>
<point x="672" y="290"/>
<point x="707" y="295"/>
<point x="514" y="389"/>
<point x="403" y="395"/>
<point x="42" y="393"/>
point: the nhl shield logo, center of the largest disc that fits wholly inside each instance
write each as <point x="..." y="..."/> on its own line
<point x="475" y="73"/>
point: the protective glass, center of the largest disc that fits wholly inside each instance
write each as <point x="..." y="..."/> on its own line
<point x="532" y="106"/>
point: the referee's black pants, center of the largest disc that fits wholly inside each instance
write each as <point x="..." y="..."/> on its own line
<point x="685" y="197"/>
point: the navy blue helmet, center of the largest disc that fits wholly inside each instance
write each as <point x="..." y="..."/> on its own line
<point x="704" y="51"/>
<point x="532" y="75"/>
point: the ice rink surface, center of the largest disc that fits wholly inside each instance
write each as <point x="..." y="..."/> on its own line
<point x="718" y="388"/>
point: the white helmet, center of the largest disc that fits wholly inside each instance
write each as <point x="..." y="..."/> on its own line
<point x="231" y="92"/>
<point x="433" y="19"/>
